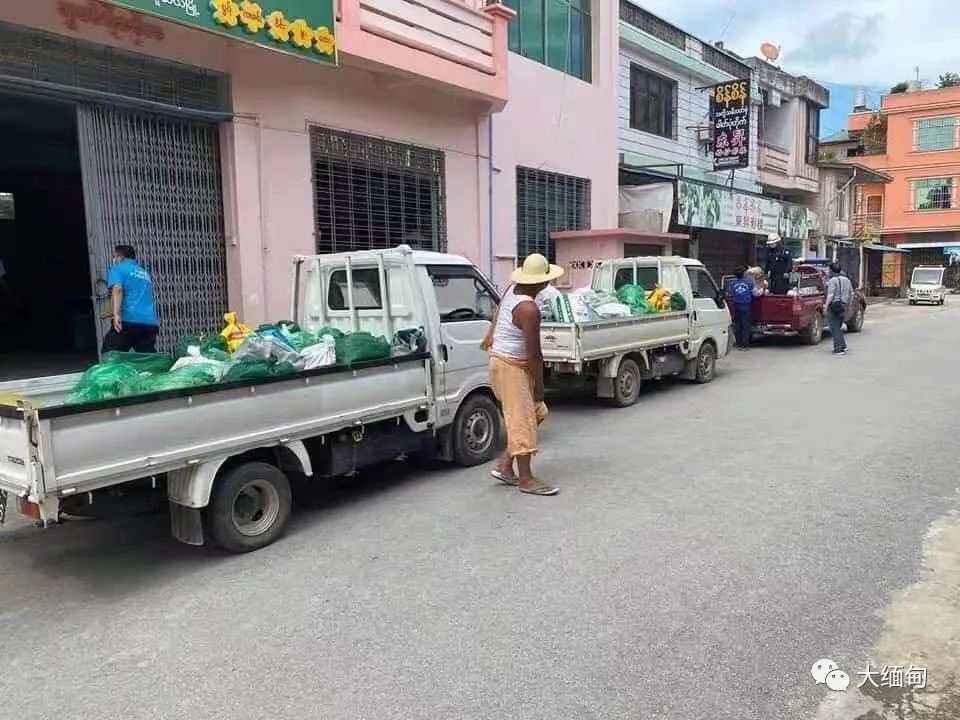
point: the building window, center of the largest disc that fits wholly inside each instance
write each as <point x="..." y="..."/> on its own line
<point x="652" y="25"/>
<point x="933" y="194"/>
<point x="7" y="206"/>
<point x="841" y="201"/>
<point x="932" y="134"/>
<point x="653" y="103"/>
<point x="874" y="204"/>
<point x="554" y="32"/>
<point x="546" y="203"/>
<point x="371" y="193"/>
<point x="813" y="133"/>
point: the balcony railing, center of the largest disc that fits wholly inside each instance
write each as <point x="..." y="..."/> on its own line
<point x="774" y="159"/>
<point x="867" y="225"/>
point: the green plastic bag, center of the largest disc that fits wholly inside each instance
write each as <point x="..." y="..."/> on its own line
<point x="284" y="325"/>
<point x="300" y="340"/>
<point x="152" y="363"/>
<point x="206" y="343"/>
<point x="677" y="302"/>
<point x="105" y="381"/>
<point x="359" y="346"/>
<point x="635" y="297"/>
<point x="186" y="377"/>
<point x="331" y="331"/>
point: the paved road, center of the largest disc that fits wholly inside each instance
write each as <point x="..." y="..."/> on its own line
<point x="708" y="545"/>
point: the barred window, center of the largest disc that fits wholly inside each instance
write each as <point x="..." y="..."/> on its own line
<point x="933" y="194"/>
<point x="546" y="203"/>
<point x="940" y="133"/>
<point x="374" y="194"/>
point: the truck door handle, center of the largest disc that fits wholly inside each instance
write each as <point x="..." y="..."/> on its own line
<point x="443" y="353"/>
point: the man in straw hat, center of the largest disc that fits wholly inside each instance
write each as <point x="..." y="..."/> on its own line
<point x="778" y="265"/>
<point x="516" y="372"/>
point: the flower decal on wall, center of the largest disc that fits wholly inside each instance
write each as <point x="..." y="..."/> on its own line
<point x="325" y="41"/>
<point x="225" y="12"/>
<point x="251" y="15"/>
<point x="280" y="27"/>
<point x="303" y="35"/>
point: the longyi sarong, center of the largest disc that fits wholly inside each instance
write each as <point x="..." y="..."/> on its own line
<point x="513" y="388"/>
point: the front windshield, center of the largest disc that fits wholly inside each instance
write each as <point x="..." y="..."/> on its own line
<point x="927" y="276"/>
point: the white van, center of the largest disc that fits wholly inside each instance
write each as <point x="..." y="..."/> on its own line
<point x="927" y="285"/>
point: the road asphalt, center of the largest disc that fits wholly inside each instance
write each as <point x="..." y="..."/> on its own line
<point x="708" y="545"/>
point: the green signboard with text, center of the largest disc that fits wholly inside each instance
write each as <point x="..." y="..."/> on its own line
<point x="305" y="28"/>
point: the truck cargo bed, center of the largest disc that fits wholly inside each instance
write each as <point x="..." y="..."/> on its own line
<point x="85" y="447"/>
<point x="595" y="339"/>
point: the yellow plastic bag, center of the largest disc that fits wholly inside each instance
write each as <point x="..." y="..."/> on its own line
<point x="235" y="332"/>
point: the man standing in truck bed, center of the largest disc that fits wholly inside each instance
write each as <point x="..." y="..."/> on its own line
<point x="778" y="265"/>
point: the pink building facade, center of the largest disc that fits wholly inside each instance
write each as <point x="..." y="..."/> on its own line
<point x="430" y="131"/>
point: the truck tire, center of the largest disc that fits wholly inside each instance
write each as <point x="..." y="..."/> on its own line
<point x="626" y="385"/>
<point x="477" y="431"/>
<point x="249" y="508"/>
<point x="855" y="324"/>
<point x="706" y="363"/>
<point x="814" y="333"/>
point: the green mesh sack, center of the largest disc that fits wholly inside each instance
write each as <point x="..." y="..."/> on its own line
<point x="206" y="343"/>
<point x="359" y="346"/>
<point x="105" y="381"/>
<point x="186" y="377"/>
<point x="677" y="302"/>
<point x="257" y="370"/>
<point x="152" y="363"/>
<point x="635" y="297"/>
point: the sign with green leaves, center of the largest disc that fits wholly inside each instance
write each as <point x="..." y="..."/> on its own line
<point x="305" y="28"/>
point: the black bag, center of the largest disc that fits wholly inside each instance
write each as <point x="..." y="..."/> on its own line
<point x="838" y="307"/>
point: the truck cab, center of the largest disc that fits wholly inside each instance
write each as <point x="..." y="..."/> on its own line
<point x="927" y="285"/>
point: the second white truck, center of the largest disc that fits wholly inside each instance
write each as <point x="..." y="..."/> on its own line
<point x="619" y="353"/>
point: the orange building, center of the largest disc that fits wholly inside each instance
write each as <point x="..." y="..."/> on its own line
<point x="915" y="138"/>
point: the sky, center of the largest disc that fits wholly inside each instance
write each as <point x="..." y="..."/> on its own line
<point x="842" y="44"/>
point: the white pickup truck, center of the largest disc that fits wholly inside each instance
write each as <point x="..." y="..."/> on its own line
<point x="224" y="455"/>
<point x="620" y="353"/>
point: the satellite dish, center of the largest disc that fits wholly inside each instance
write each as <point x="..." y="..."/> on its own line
<point x="770" y="51"/>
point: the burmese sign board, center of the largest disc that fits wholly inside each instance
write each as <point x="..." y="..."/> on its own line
<point x="730" y="118"/>
<point x="712" y="206"/>
<point x="305" y="28"/>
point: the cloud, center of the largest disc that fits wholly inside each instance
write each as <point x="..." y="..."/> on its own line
<point x="871" y="42"/>
<point x="845" y="36"/>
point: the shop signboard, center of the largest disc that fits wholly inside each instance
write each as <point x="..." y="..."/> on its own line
<point x="716" y="207"/>
<point x="730" y="119"/>
<point x="305" y="28"/>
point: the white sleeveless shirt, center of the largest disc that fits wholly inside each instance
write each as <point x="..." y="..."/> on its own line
<point x="508" y="339"/>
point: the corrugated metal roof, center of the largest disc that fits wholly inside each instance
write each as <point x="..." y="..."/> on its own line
<point x="840" y="136"/>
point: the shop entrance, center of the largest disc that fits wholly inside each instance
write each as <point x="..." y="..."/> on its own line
<point x="46" y="317"/>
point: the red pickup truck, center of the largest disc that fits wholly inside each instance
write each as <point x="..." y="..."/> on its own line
<point x="800" y="313"/>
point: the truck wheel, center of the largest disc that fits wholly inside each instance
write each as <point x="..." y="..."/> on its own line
<point x="855" y="324"/>
<point x="814" y="333"/>
<point x="913" y="302"/>
<point x="626" y="385"/>
<point x="477" y="431"/>
<point x="249" y="507"/>
<point x="706" y="363"/>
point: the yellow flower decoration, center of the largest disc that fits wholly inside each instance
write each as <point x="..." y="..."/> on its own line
<point x="303" y="34"/>
<point x="279" y="26"/>
<point x="251" y="15"/>
<point x="326" y="43"/>
<point x="225" y="12"/>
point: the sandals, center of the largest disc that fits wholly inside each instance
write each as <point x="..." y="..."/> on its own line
<point x="510" y="479"/>
<point x="540" y="489"/>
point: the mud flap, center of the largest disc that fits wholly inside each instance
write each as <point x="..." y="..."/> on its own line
<point x="186" y="524"/>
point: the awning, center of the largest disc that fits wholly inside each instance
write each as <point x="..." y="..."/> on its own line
<point x="910" y="246"/>
<point x="885" y="248"/>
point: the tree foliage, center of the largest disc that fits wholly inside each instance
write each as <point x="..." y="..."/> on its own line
<point x="949" y="79"/>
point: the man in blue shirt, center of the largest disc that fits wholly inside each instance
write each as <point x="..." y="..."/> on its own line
<point x="742" y="292"/>
<point x="135" y="323"/>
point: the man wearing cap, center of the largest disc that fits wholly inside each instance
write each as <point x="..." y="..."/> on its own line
<point x="778" y="265"/>
<point x="516" y="372"/>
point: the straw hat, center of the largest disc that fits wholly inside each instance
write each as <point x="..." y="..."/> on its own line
<point x="773" y="239"/>
<point x="535" y="270"/>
